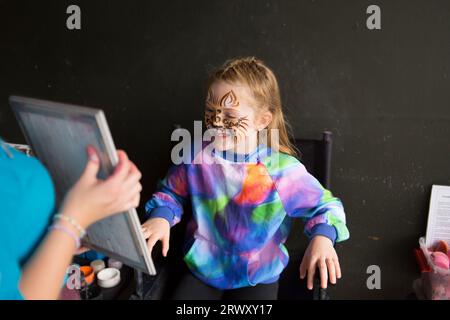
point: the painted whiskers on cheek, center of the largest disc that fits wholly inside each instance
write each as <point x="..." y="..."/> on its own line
<point x="239" y="127"/>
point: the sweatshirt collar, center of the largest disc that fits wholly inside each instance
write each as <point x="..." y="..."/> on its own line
<point x="260" y="152"/>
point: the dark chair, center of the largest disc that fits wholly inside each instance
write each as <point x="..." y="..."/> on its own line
<point x="316" y="156"/>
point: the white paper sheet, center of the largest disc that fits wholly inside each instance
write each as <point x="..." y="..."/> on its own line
<point x="438" y="226"/>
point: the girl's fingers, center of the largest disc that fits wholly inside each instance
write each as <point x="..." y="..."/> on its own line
<point x="331" y="270"/>
<point x="302" y="270"/>
<point x="323" y="273"/>
<point x="338" y="268"/>
<point x="165" y="245"/>
<point x="146" y="233"/>
<point x="310" y="279"/>
<point x="151" y="242"/>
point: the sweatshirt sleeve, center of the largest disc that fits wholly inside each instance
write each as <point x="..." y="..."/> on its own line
<point x="171" y="194"/>
<point x="304" y="197"/>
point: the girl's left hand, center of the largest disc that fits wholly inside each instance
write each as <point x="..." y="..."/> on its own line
<point x="320" y="254"/>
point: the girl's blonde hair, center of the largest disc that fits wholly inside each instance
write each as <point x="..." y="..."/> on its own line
<point x="263" y="85"/>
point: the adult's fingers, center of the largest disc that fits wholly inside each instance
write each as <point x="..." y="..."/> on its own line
<point x="131" y="197"/>
<point x="135" y="169"/>
<point x="136" y="200"/>
<point x="90" y="171"/>
<point x="323" y="273"/>
<point x="122" y="168"/>
<point x="133" y="177"/>
<point x="331" y="270"/>
<point x="133" y="204"/>
<point x="82" y="250"/>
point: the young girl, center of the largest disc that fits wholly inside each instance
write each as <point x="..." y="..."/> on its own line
<point x="242" y="209"/>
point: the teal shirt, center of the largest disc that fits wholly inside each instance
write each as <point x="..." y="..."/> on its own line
<point x="27" y="202"/>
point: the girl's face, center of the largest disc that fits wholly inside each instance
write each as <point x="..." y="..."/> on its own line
<point x="231" y="114"/>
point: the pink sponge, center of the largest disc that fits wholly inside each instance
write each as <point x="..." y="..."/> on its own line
<point x="441" y="259"/>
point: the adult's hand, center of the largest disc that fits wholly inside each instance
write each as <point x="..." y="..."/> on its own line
<point x="92" y="199"/>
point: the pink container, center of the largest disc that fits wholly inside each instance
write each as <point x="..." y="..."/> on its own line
<point x="436" y="284"/>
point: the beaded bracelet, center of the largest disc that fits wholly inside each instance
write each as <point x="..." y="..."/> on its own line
<point x="68" y="232"/>
<point x="73" y="222"/>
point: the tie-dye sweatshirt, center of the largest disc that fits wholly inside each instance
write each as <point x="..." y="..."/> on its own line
<point x="242" y="214"/>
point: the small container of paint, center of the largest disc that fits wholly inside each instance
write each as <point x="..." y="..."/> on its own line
<point x="113" y="263"/>
<point x="98" y="265"/>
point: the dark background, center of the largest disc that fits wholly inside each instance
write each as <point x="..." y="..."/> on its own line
<point x="384" y="94"/>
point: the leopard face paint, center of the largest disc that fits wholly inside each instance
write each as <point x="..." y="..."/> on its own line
<point x="223" y="114"/>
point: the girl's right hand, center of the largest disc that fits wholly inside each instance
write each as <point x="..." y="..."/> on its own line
<point x="92" y="199"/>
<point x="155" y="229"/>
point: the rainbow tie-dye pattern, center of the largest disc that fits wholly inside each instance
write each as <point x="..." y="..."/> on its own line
<point x="242" y="214"/>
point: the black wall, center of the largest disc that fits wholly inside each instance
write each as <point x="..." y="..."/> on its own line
<point x="384" y="94"/>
